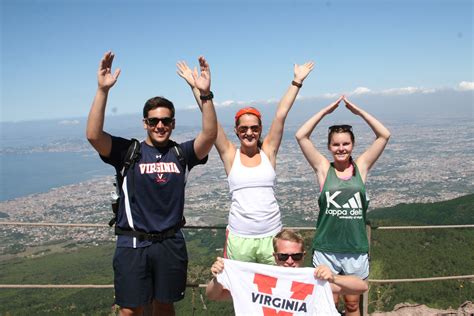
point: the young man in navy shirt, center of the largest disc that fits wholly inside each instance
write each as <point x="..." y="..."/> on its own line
<point x="150" y="260"/>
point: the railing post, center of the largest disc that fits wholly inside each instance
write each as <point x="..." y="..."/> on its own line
<point x="365" y="296"/>
<point x="193" y="300"/>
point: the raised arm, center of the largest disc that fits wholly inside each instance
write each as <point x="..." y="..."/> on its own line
<point x="382" y="134"/>
<point x="100" y="140"/>
<point x="214" y="290"/>
<point x="224" y="147"/>
<point x="208" y="134"/>
<point x="341" y="284"/>
<point x="318" y="162"/>
<point x="271" y="143"/>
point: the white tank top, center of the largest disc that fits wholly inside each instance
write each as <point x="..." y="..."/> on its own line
<point x="254" y="211"/>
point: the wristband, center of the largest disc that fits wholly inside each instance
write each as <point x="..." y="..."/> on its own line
<point x="299" y="85"/>
<point x="210" y="96"/>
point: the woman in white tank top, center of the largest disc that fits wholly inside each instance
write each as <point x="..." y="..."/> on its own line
<point x="254" y="216"/>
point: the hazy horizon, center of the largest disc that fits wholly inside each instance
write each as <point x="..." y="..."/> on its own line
<point x="416" y="108"/>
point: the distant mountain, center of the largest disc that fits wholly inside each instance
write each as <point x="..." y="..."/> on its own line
<point x="412" y="106"/>
<point x="453" y="212"/>
<point x="417" y="106"/>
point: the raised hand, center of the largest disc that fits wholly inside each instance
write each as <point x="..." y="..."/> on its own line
<point x="203" y="80"/>
<point x="351" y="106"/>
<point x="331" y="107"/>
<point x="218" y="266"/>
<point x="323" y="272"/>
<point x="105" y="78"/>
<point x="186" y="73"/>
<point x="302" y="71"/>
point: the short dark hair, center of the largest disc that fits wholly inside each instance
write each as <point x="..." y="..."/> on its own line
<point x="157" y="102"/>
<point x="289" y="235"/>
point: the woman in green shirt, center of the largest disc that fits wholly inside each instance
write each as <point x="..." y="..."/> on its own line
<point x="341" y="241"/>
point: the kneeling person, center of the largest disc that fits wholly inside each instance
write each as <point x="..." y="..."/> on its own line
<point x="308" y="290"/>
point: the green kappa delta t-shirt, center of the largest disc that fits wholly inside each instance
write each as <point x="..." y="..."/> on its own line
<point x="342" y="212"/>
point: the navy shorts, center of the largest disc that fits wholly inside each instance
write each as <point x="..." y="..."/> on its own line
<point x="156" y="272"/>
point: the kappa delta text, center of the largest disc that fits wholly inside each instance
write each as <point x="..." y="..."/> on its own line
<point x="351" y="209"/>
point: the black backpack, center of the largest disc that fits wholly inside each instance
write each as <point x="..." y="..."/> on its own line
<point x="133" y="155"/>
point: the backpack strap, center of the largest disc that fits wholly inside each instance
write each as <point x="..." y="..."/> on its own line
<point x="131" y="157"/>
<point x="178" y="151"/>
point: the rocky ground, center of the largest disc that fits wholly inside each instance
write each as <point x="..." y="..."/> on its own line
<point x="405" y="309"/>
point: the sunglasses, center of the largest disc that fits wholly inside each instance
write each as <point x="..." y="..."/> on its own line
<point x="243" y="129"/>
<point x="153" y="121"/>
<point x="295" y="256"/>
<point x="342" y="128"/>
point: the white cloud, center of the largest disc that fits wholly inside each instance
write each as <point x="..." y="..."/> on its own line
<point x="301" y="97"/>
<point x="426" y="91"/>
<point x="68" y="122"/>
<point x="361" y="90"/>
<point x="400" y="91"/>
<point x="463" y="86"/>
<point x="466" y="86"/>
<point x="227" y="103"/>
<point x="329" y="95"/>
<point x="391" y="91"/>
<point x="270" y="101"/>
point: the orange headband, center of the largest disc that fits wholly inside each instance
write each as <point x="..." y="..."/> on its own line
<point x="249" y="110"/>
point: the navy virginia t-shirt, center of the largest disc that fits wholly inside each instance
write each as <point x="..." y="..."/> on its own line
<point x="155" y="200"/>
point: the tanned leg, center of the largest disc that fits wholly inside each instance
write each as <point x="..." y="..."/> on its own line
<point x="163" y="309"/>
<point x="131" y="311"/>
<point x="352" y="305"/>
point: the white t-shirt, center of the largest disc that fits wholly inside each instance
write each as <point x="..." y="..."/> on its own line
<point x="259" y="289"/>
<point x="254" y="211"/>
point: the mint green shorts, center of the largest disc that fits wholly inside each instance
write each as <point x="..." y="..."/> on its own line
<point x="248" y="249"/>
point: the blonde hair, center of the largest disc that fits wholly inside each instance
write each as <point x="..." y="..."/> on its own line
<point x="289" y="235"/>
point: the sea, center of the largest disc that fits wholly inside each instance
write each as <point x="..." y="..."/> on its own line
<point x="28" y="173"/>
<point x="37" y="156"/>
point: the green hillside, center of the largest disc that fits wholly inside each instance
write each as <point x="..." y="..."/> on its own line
<point x="401" y="254"/>
<point x="82" y="266"/>
<point x="93" y="265"/>
<point x="394" y="254"/>
<point x="458" y="211"/>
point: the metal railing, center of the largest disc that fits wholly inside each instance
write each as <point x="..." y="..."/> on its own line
<point x="194" y="285"/>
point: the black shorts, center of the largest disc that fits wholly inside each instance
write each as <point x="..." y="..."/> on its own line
<point x="156" y="272"/>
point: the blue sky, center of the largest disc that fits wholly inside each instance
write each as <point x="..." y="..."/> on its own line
<point x="50" y="50"/>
